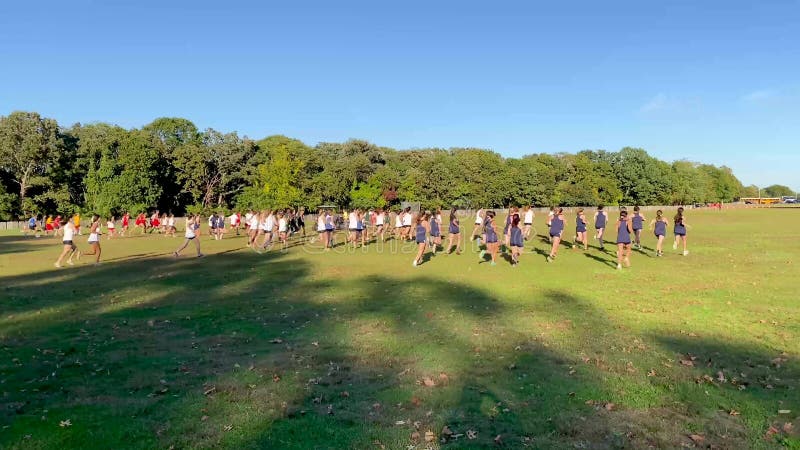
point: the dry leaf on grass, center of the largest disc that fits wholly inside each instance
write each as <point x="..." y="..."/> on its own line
<point x="428" y="381"/>
<point x="429" y="436"/>
<point x="65" y="423"/>
<point x="697" y="438"/>
<point x="472" y="434"/>
<point x="771" y="431"/>
<point x="415" y="436"/>
<point x="788" y="427"/>
<point x="446" y="431"/>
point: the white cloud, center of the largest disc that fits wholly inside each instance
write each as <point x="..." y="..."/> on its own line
<point x="759" y="95"/>
<point x="657" y="103"/>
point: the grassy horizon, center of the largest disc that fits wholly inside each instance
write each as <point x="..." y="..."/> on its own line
<point x="357" y="349"/>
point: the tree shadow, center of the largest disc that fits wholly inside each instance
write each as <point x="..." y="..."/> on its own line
<point x="607" y="262"/>
<point x="239" y="350"/>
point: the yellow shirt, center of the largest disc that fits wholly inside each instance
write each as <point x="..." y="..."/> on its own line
<point x="77" y="219"/>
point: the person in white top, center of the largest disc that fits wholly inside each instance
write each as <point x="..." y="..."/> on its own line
<point x="527" y="222"/>
<point x="476" y="231"/>
<point x="352" y="226"/>
<point x="111" y="227"/>
<point x="268" y="227"/>
<point x="252" y="229"/>
<point x="380" y="220"/>
<point x="234" y="220"/>
<point x="192" y="225"/>
<point x="171" y="229"/>
<point x="398" y="225"/>
<point x="283" y="229"/>
<point x="69" y="245"/>
<point x="94" y="238"/>
<point x="407" y="219"/>
<point x="321" y="228"/>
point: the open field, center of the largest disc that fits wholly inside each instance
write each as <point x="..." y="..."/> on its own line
<point x="306" y="349"/>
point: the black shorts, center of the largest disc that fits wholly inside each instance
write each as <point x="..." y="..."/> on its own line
<point x="70" y="243"/>
<point x="527" y="223"/>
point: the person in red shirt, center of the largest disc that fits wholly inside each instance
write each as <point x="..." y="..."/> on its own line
<point x="125" y="223"/>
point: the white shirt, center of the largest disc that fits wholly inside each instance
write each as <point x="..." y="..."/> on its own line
<point x="282" y="224"/>
<point x="478" y="218"/>
<point x="398" y="221"/>
<point x="110" y="225"/>
<point x="321" y="223"/>
<point x="407" y="219"/>
<point x="171" y="222"/>
<point x="380" y="218"/>
<point x="353" y="221"/>
<point x="529" y="216"/>
<point x="189" y="229"/>
<point x="253" y="222"/>
<point x="270" y="222"/>
<point x="234" y="220"/>
<point x="247" y="217"/>
<point x="69" y="231"/>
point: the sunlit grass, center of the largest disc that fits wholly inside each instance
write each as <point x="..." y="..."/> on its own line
<point x="357" y="349"/>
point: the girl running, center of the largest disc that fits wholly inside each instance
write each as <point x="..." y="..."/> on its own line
<point x="580" y="230"/>
<point x="192" y="225"/>
<point x="111" y="225"/>
<point x="321" y="228"/>
<point x="557" y="224"/>
<point x="600" y="220"/>
<point x="126" y="221"/>
<point x="69" y="244"/>
<point x="155" y="222"/>
<point x="171" y="228"/>
<point x="421" y="236"/>
<point x="477" y="230"/>
<point x="398" y="225"/>
<point x="252" y="230"/>
<point x="454" y="233"/>
<point x="352" y="227"/>
<point x="659" y="227"/>
<point x="94" y="238"/>
<point x="638" y="223"/>
<point x="527" y="222"/>
<point x="492" y="242"/>
<point x="48" y="225"/>
<point x="283" y="229"/>
<point x="330" y="227"/>
<point x="435" y="225"/>
<point x="59" y="230"/>
<point x="407" y="219"/>
<point x="679" y="228"/>
<point x="380" y="229"/>
<point x="141" y="222"/>
<point x="507" y="228"/>
<point x="624" y="231"/>
<point x="516" y="239"/>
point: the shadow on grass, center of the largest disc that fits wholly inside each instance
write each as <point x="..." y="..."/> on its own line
<point x="239" y="350"/>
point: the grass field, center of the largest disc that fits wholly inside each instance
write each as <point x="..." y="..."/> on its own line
<point x="358" y="349"/>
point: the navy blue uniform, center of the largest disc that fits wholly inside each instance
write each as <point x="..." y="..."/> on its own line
<point x="491" y="235"/>
<point x="623" y="235"/>
<point x="660" y="228"/>
<point x="600" y="221"/>
<point x="420" y="234"/>
<point x="516" y="237"/>
<point x="434" y="228"/>
<point x="454" y="228"/>
<point x="638" y="222"/>
<point x="556" y="226"/>
<point x="580" y="225"/>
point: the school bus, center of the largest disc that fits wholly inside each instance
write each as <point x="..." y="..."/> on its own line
<point x="761" y="200"/>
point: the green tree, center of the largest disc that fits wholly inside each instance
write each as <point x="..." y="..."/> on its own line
<point x="123" y="170"/>
<point x="276" y="184"/>
<point x="28" y="148"/>
<point x="777" y="190"/>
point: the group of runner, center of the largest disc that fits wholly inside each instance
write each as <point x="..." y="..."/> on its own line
<point x="425" y="229"/>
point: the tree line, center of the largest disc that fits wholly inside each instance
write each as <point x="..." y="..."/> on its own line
<point x="171" y="165"/>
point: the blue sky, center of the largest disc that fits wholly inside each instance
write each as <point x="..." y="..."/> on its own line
<point x="709" y="81"/>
